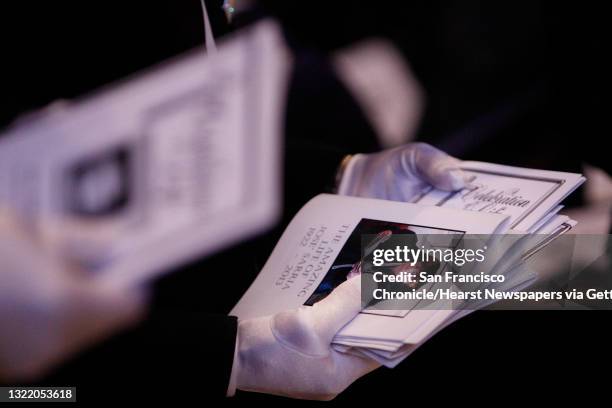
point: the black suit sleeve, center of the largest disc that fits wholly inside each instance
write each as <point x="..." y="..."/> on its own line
<point x="169" y="357"/>
<point x="324" y="123"/>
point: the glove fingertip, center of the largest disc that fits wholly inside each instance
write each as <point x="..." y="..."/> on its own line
<point x="452" y="180"/>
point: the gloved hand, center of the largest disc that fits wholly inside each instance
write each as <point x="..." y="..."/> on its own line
<point x="401" y="174"/>
<point x="48" y="311"/>
<point x="290" y="353"/>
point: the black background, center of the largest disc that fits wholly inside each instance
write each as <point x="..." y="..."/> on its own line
<point x="511" y="82"/>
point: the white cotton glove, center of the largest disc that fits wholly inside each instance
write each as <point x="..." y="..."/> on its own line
<point x="402" y="173"/>
<point x="48" y="311"/>
<point x="290" y="353"/>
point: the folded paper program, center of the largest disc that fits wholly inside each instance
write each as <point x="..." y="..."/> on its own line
<point x="322" y="247"/>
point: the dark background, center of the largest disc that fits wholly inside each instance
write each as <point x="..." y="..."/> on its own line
<point x="517" y="83"/>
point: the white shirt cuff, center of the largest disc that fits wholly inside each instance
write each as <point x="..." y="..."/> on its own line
<point x="231" y="387"/>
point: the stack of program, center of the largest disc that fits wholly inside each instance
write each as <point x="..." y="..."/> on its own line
<point x="155" y="171"/>
<point x="509" y="213"/>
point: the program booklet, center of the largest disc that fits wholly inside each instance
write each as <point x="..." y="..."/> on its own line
<point x="162" y="168"/>
<point x="331" y="238"/>
<point x="530" y="198"/>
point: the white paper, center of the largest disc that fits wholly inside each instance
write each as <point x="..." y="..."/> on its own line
<point x="525" y="195"/>
<point x="180" y="161"/>
<point x="315" y="242"/>
<point x="316" y="236"/>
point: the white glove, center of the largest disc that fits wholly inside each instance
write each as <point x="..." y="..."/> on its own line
<point x="290" y="353"/>
<point x="48" y="311"/>
<point x="402" y="173"/>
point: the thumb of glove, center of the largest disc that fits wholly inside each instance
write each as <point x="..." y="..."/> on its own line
<point x="310" y="330"/>
<point x="435" y="167"/>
